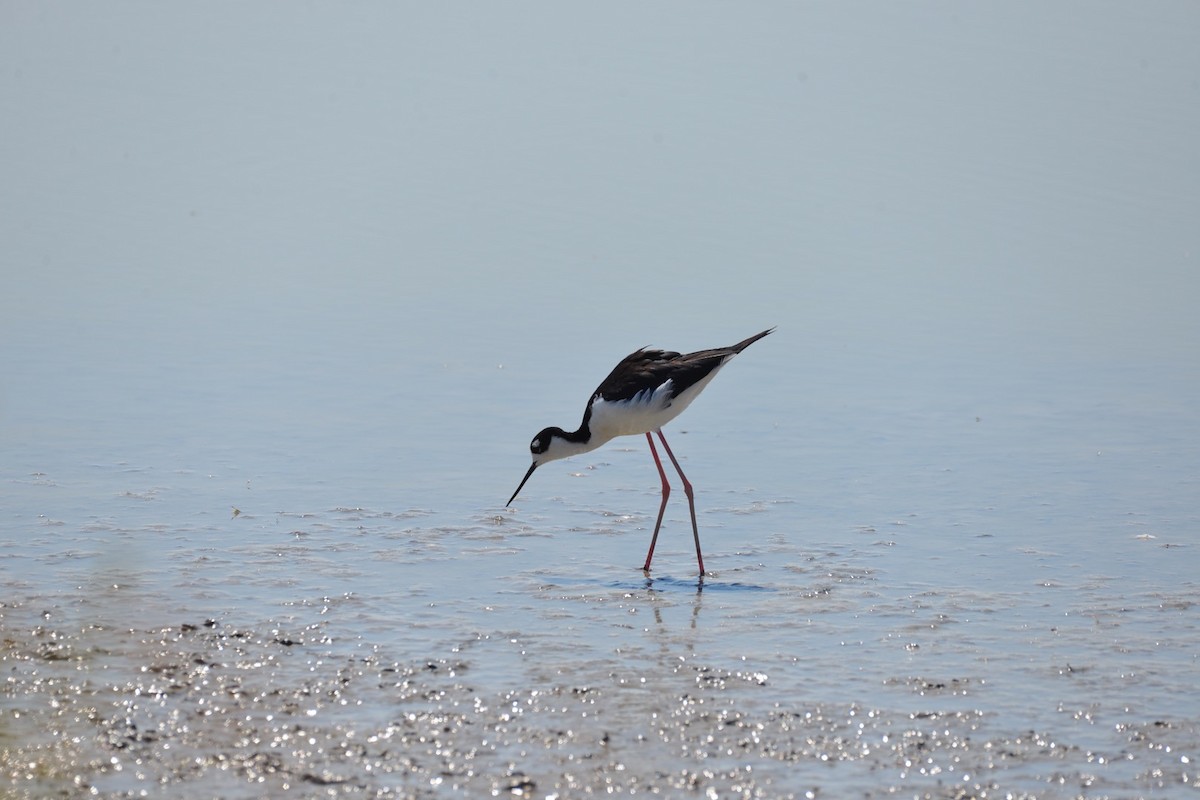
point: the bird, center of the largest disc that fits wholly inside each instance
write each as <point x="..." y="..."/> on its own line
<point x="644" y="392"/>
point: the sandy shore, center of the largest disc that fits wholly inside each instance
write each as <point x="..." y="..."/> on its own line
<point x="205" y="709"/>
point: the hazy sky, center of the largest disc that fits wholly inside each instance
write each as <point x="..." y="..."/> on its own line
<point x="869" y="170"/>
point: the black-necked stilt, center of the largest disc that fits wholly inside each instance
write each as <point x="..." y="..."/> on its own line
<point x="648" y="389"/>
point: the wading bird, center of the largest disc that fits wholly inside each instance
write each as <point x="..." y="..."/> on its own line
<point x="644" y="392"/>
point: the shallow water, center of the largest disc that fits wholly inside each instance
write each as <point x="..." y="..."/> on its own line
<point x="394" y="652"/>
<point x="283" y="316"/>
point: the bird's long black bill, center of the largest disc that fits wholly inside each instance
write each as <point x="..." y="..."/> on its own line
<point x="532" y="467"/>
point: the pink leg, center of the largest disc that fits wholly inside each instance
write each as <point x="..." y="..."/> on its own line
<point x="666" y="492"/>
<point x="687" y="489"/>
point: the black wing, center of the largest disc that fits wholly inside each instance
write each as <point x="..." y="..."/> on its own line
<point x="648" y="369"/>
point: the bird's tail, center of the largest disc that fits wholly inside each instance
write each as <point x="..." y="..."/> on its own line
<point x="742" y="345"/>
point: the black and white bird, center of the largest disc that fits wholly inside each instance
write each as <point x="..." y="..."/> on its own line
<point x="644" y="392"/>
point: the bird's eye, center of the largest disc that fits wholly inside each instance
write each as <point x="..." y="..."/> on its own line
<point x="535" y="445"/>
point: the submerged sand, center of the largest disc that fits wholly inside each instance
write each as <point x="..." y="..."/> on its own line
<point x="207" y="709"/>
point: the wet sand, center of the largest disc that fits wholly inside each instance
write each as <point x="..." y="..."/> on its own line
<point x="210" y="709"/>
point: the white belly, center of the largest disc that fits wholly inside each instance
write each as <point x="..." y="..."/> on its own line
<point x="646" y="411"/>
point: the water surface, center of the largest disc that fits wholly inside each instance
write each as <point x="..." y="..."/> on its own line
<point x="288" y="293"/>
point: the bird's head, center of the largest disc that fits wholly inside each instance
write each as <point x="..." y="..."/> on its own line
<point x="550" y="444"/>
